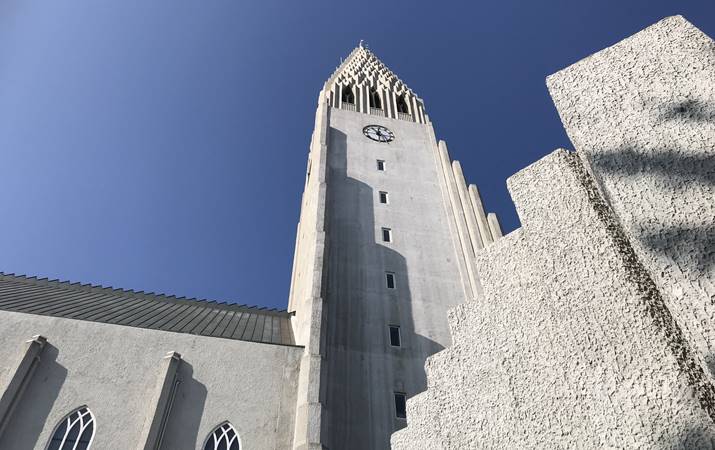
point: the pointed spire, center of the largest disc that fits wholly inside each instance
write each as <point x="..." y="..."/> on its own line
<point x="371" y="83"/>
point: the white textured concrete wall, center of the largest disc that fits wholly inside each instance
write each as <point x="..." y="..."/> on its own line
<point x="571" y="347"/>
<point x="595" y="327"/>
<point x="642" y="115"/>
<point x="114" y="369"/>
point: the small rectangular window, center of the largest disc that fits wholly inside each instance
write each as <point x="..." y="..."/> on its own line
<point x="380" y="165"/>
<point x="395" y="336"/>
<point x="390" y="278"/>
<point x="400" y="405"/>
<point x="386" y="235"/>
<point x="383" y="197"/>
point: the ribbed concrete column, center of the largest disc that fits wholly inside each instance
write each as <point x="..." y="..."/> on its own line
<point x="366" y="98"/>
<point x="494" y="225"/>
<point x="383" y="101"/>
<point x="15" y="385"/>
<point x="421" y="111"/>
<point x="338" y="95"/>
<point x="363" y="105"/>
<point x="161" y="401"/>
<point x="481" y="217"/>
<point x="472" y="227"/>
<point x="413" y="108"/>
<point x="393" y="105"/>
<point x="467" y="251"/>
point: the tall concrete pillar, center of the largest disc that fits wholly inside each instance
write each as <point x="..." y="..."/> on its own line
<point x="459" y="218"/>
<point x="307" y="291"/>
<point x="365" y="98"/>
<point x="161" y="402"/>
<point x="472" y="228"/>
<point x="383" y="101"/>
<point x="480" y="216"/>
<point x="412" y="102"/>
<point x="494" y="225"/>
<point x="393" y="105"/>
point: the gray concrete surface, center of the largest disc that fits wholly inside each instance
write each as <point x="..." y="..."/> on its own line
<point x="362" y="369"/>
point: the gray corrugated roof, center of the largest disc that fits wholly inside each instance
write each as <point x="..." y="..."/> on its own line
<point x="144" y="310"/>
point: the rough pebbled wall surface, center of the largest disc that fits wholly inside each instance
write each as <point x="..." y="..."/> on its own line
<point x="642" y="115"/>
<point x="570" y="348"/>
<point x="587" y="336"/>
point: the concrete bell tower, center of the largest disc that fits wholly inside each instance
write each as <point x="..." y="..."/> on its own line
<point x="385" y="247"/>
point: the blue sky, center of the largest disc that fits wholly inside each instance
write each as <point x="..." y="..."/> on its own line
<point x="161" y="146"/>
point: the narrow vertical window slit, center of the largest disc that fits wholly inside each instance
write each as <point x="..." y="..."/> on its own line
<point x="390" y="280"/>
<point x="400" y="405"/>
<point x="386" y="235"/>
<point x="395" y="338"/>
<point x="383" y="197"/>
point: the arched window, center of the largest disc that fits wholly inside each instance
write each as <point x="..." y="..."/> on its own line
<point x="347" y="96"/>
<point x="375" y="99"/>
<point x="223" y="437"/>
<point x="75" y="432"/>
<point x="402" y="105"/>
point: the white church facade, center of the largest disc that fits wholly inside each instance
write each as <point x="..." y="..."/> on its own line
<point x="411" y="322"/>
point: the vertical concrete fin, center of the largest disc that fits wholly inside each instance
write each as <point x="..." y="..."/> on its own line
<point x="478" y="207"/>
<point x="392" y="112"/>
<point x="465" y="245"/>
<point x="160" y="402"/>
<point x="307" y="288"/>
<point x="296" y="252"/>
<point x="14" y="387"/>
<point x="472" y="228"/>
<point x="494" y="226"/>
<point x="449" y="213"/>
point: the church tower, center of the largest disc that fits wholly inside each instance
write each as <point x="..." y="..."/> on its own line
<point x="385" y="247"/>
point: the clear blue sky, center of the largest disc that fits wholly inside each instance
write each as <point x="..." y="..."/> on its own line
<point x="161" y="145"/>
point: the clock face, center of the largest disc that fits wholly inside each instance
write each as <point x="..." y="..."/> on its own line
<point x="378" y="133"/>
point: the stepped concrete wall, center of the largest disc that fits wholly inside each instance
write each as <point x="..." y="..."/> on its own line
<point x="642" y="115"/>
<point x="594" y="329"/>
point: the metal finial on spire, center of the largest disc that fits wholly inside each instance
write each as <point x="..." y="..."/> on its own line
<point x="360" y="44"/>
